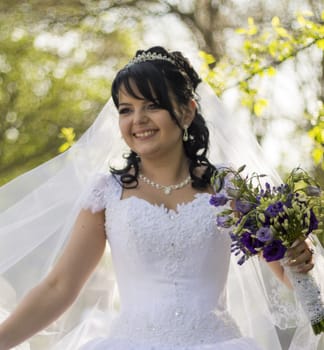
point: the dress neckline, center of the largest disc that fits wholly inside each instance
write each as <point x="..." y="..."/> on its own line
<point x="161" y="206"/>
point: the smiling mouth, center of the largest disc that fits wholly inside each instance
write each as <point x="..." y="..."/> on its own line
<point x="146" y="133"/>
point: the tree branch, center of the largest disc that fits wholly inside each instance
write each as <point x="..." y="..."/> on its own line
<point x="274" y="64"/>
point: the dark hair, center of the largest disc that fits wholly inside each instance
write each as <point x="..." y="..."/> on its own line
<point x="154" y="80"/>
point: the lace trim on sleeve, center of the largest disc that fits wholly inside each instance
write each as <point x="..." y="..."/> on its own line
<point x="102" y="190"/>
<point x="94" y="199"/>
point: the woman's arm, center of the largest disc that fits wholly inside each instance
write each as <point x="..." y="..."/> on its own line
<point x="300" y="256"/>
<point x="48" y="300"/>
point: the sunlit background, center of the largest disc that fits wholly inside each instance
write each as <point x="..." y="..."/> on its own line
<point x="263" y="58"/>
<point x="58" y="58"/>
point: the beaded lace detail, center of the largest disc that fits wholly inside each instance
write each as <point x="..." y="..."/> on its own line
<point x="102" y="187"/>
<point x="310" y="291"/>
<point x="169" y="267"/>
<point x="283" y="305"/>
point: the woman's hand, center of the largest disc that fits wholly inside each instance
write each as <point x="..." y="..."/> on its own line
<point x="300" y="255"/>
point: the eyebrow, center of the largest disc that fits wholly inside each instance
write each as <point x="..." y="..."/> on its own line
<point x="125" y="104"/>
<point x="130" y="104"/>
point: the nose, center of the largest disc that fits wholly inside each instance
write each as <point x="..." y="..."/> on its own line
<point x="140" y="116"/>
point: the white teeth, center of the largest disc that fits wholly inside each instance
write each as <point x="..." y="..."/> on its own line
<point x="145" y="133"/>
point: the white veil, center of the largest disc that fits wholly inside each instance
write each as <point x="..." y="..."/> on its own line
<point x="38" y="209"/>
<point x="264" y="308"/>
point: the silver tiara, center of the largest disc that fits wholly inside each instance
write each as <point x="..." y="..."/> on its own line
<point x="143" y="57"/>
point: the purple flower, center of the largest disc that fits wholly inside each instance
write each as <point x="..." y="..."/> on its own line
<point x="274" y="209"/>
<point x="250" y="224"/>
<point x="288" y="201"/>
<point x="224" y="221"/>
<point x="267" y="191"/>
<point x="313" y="222"/>
<point x="218" y="199"/>
<point x="242" y="260"/>
<point x="251" y="243"/>
<point x="243" y="206"/>
<point x="274" y="251"/>
<point x="282" y="188"/>
<point x="264" y="234"/>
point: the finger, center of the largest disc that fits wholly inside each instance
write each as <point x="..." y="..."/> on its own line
<point x="309" y="245"/>
<point x="305" y="268"/>
<point x="298" y="248"/>
<point x="302" y="258"/>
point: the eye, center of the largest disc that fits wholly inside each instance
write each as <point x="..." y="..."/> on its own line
<point x="124" y="111"/>
<point x="153" y="106"/>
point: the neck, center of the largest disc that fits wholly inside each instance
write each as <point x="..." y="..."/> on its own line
<point x="168" y="171"/>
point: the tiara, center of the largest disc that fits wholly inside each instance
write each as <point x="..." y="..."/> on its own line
<point x="143" y="57"/>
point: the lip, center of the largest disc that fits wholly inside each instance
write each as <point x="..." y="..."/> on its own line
<point x="144" y="134"/>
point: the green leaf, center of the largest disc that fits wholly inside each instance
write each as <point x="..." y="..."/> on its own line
<point x="259" y="106"/>
<point x="317" y="155"/>
<point x="241" y="168"/>
<point x="64" y="147"/>
<point x="275" y="21"/>
<point x="253" y="29"/>
<point x="208" y="58"/>
<point x="320" y="44"/>
<point x="317" y="133"/>
<point x="301" y="20"/>
<point x="273" y="47"/>
<point x="240" y="31"/>
<point x="247" y="102"/>
<point x="250" y="21"/>
<point x="282" y="32"/>
<point x="271" y="71"/>
<point x="68" y="134"/>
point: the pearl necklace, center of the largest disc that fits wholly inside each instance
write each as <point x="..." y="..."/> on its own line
<point x="165" y="189"/>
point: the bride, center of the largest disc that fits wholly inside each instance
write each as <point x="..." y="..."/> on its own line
<point x="171" y="261"/>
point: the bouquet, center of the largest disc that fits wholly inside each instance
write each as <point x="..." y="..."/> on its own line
<point x="266" y="220"/>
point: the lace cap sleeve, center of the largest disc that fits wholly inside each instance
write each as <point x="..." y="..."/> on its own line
<point x="102" y="192"/>
<point x="95" y="198"/>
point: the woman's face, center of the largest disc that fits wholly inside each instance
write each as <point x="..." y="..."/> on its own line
<point x="146" y="128"/>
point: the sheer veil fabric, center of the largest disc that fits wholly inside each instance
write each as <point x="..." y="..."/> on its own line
<point x="38" y="209"/>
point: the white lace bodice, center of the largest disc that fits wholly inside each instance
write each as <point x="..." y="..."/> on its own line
<point x="171" y="268"/>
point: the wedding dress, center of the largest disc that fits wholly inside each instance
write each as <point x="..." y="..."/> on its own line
<point x="177" y="287"/>
<point x="171" y="268"/>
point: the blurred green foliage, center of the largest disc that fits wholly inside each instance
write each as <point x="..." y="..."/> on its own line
<point x="57" y="60"/>
<point x="263" y="51"/>
<point x="53" y="74"/>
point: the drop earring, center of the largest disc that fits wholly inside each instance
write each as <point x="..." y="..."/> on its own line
<point x="185" y="136"/>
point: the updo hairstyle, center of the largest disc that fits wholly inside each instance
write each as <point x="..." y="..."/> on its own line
<point x="159" y="80"/>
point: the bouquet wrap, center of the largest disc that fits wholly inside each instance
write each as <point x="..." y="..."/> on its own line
<point x="309" y="290"/>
